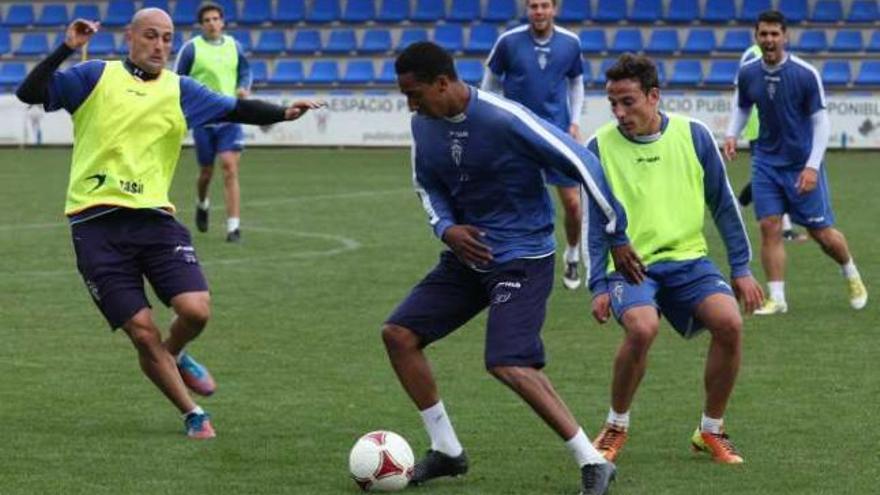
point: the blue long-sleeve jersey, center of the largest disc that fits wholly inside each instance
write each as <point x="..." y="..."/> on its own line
<point x="484" y="168"/>
<point x="719" y="198"/>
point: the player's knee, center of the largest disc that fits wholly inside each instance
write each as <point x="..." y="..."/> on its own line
<point x="728" y="329"/>
<point x="144" y="338"/>
<point x="822" y="236"/>
<point x="640" y="334"/>
<point x="771" y="227"/>
<point x="230" y="170"/>
<point x="510" y="375"/>
<point x="196" y="313"/>
<point x="399" y="339"/>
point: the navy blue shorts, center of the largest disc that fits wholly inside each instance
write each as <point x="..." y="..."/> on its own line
<point x="516" y="293"/>
<point x="774" y="190"/>
<point x="217" y="138"/>
<point x="558" y="179"/>
<point x="675" y="288"/>
<point x="116" y="251"/>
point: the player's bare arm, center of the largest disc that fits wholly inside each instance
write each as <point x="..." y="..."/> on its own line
<point x="299" y="108"/>
<point x="79" y="32"/>
<point x="748" y="292"/>
<point x="730" y="148"/>
<point x="602" y="307"/>
<point x="807" y="180"/>
<point x="465" y="242"/>
<point x="628" y="263"/>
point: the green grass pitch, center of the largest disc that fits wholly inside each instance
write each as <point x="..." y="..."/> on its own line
<point x="333" y="239"/>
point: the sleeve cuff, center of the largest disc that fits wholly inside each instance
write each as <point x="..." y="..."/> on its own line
<point x="599" y="287"/>
<point x="440" y="227"/>
<point x="740" y="271"/>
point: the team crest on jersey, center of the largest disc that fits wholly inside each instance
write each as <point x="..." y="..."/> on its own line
<point x="456" y="149"/>
<point x="543" y="56"/>
<point x="772" y="81"/>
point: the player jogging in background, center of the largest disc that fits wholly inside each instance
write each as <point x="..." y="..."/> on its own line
<point x="217" y="61"/>
<point x="787" y="167"/>
<point x="539" y="65"/>
<point x="129" y="119"/>
<point x="666" y="171"/>
<point x="477" y="163"/>
<point x="751" y="135"/>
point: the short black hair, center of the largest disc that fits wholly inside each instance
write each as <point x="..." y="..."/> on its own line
<point x="638" y="67"/>
<point x="207" y="7"/>
<point x="771" y="17"/>
<point x="426" y="61"/>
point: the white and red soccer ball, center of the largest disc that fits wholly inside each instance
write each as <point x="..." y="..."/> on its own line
<point x="381" y="461"/>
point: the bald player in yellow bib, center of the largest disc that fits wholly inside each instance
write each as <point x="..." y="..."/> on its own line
<point x="129" y="119"/>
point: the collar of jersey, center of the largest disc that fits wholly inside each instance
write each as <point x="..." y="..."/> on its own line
<point x="664" y="122"/>
<point x="138" y="72"/>
<point x="777" y="67"/>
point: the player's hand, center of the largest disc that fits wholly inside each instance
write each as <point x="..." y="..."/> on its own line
<point x="602" y="307"/>
<point x="574" y="131"/>
<point x="79" y="32"/>
<point x="807" y="180"/>
<point x="299" y="108"/>
<point x="749" y="293"/>
<point x="242" y="93"/>
<point x="628" y="264"/>
<point x="466" y="242"/>
<point x="729" y="148"/>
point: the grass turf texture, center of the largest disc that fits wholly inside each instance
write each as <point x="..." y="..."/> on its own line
<point x="332" y="241"/>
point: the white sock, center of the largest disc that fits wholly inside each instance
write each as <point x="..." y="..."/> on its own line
<point x="232" y="223"/>
<point x="786" y="222"/>
<point x="849" y="269"/>
<point x="195" y="410"/>
<point x="440" y="430"/>
<point x="204" y="205"/>
<point x="583" y="451"/>
<point x="620" y="420"/>
<point x="572" y="254"/>
<point x="711" y="425"/>
<point x="777" y="290"/>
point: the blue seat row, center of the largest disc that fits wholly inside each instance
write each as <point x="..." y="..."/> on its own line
<point x="37" y="44"/>
<point x="357" y="72"/>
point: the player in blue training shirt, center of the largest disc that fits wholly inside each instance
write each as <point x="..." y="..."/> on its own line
<point x="129" y="119"/>
<point x="787" y="171"/>
<point x="477" y="168"/>
<point x="217" y="61"/>
<point x="539" y="65"/>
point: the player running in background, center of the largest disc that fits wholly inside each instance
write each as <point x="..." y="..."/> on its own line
<point x="217" y="61"/>
<point x="666" y="170"/>
<point x="787" y="171"/>
<point x="477" y="163"/>
<point x="129" y="119"/>
<point x="539" y="66"/>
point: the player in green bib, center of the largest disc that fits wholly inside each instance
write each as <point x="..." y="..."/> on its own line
<point x="667" y="172"/>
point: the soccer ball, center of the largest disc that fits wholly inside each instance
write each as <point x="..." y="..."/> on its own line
<point x="381" y="461"/>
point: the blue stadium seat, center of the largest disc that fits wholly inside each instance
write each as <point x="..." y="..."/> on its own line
<point x="469" y="71"/>
<point x="827" y="11"/>
<point x="53" y="14"/>
<point x="102" y="43"/>
<point x="751" y="9"/>
<point x="289" y="11"/>
<point x="836" y="73"/>
<point x="287" y="72"/>
<point x="230" y="9"/>
<point x="464" y="11"/>
<point x="12" y="73"/>
<point x="410" y="36"/>
<point x="686" y="72"/>
<point x="243" y="36"/>
<point x="341" y="41"/>
<point x="587" y="71"/>
<point x="359" y="11"/>
<point x="573" y="11"/>
<point x="873" y="43"/>
<point x="5" y="41"/>
<point x="661" y="71"/>
<point x="358" y="72"/>
<point x="86" y="11"/>
<point x="176" y="42"/>
<point x="429" y="11"/>
<point x="20" y="15"/>
<point x="863" y="11"/>
<point x="376" y="41"/>
<point x="119" y="12"/>
<point x="722" y="72"/>
<point x="481" y="39"/>
<point x="736" y="41"/>
<point x="159" y="4"/>
<point x="450" y="37"/>
<point x="271" y="42"/>
<point x="500" y="10"/>
<point x="795" y="11"/>
<point x="323" y="72"/>
<point x="33" y="44"/>
<point x="255" y="12"/>
<point x="626" y="40"/>
<point x="600" y="79"/>
<point x="306" y="42"/>
<point x="848" y="40"/>
<point x="699" y="41"/>
<point x="323" y="11"/>
<point x="609" y="11"/>
<point x="663" y="41"/>
<point x="646" y="11"/>
<point x="869" y="73"/>
<point x="185" y="11"/>
<point x="393" y="11"/>
<point x="719" y="11"/>
<point x="593" y="41"/>
<point x="682" y="11"/>
<point x="387" y="74"/>
<point x="812" y="41"/>
<point x="259" y="71"/>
